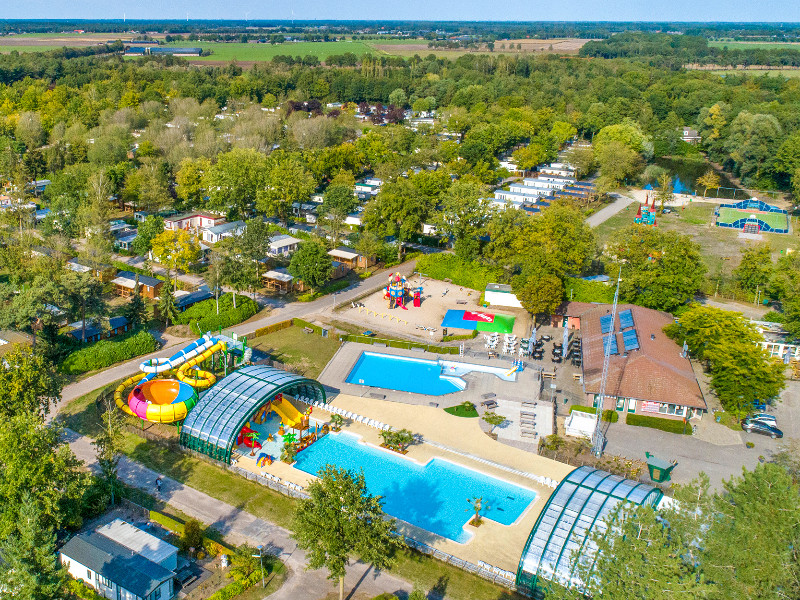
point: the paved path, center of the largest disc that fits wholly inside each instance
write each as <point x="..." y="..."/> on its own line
<point x="242" y="527"/>
<point x="279" y="313"/>
<point x="609" y="211"/>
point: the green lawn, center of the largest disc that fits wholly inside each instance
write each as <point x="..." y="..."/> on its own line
<point x="424" y="572"/>
<point x="308" y="352"/>
<point x="763" y="45"/>
<point x="789" y="73"/>
<point x="27" y="49"/>
<point x="463" y="410"/>
<point x="265" y="52"/>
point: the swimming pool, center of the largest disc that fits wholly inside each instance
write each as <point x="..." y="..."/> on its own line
<point x="431" y="496"/>
<point x="417" y="375"/>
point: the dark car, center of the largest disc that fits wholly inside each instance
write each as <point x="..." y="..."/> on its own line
<point x="753" y="426"/>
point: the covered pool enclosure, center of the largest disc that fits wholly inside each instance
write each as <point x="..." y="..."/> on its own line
<point x="578" y="508"/>
<point x="214" y="423"/>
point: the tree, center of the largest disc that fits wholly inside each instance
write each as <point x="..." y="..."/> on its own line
<point x="235" y="180"/>
<point x="628" y="134"/>
<point x="755" y="270"/>
<point x="28" y="384"/>
<point x="709" y="180"/>
<point x="81" y="295"/>
<point x="177" y="249"/>
<point x="664" y="193"/>
<point x="215" y="275"/>
<point x="189" y="181"/>
<point x="660" y="269"/>
<point x="478" y="505"/>
<point x="339" y="201"/>
<point x="398" y="98"/>
<point x="341" y="521"/>
<point x="147" y="231"/>
<point x="32" y="570"/>
<point x="703" y="328"/>
<point x="287" y="181"/>
<point x="166" y="305"/>
<point x="744" y="566"/>
<point x="493" y="419"/>
<point x="581" y="158"/>
<point x="563" y="131"/>
<point x="312" y="264"/>
<point x="463" y="216"/>
<point x="136" y="311"/>
<point x="107" y="444"/>
<point x="617" y="162"/>
<point x="370" y="245"/>
<point x="36" y="459"/>
<point x="539" y="291"/>
<point x="398" y="210"/>
<point x="751" y="143"/>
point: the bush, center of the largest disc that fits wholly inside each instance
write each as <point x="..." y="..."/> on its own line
<point x="579" y="290"/>
<point x="108" y="352"/>
<point x="773" y="317"/>
<point x="192" y="536"/>
<point x="229" y="591"/>
<point x="468" y="274"/>
<point x="273" y="328"/>
<point x="329" y="288"/>
<point x="454" y="338"/>
<point x="610" y="416"/>
<point x="385" y="596"/>
<point x="81" y="590"/>
<point x="668" y="425"/>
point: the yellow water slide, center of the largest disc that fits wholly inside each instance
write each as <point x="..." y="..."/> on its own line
<point x="290" y="416"/>
<point x="195" y="377"/>
<point x="120" y="399"/>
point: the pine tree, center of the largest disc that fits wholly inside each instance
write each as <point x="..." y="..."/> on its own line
<point x="32" y="570"/>
<point x="136" y="311"/>
<point x="107" y="444"/>
<point x="166" y="305"/>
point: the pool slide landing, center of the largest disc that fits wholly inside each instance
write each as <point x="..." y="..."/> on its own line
<point x="288" y="413"/>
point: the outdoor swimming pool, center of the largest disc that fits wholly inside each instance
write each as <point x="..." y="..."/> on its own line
<point x="431" y="496"/>
<point x="417" y="375"/>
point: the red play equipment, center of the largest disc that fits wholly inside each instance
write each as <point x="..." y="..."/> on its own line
<point x="418" y="297"/>
<point x="244" y="439"/>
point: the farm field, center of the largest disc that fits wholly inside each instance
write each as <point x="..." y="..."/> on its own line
<point x="766" y="45"/>
<point x="405" y="48"/>
<point x="264" y="52"/>
<point x="26" y="49"/>
<point x="790" y="73"/>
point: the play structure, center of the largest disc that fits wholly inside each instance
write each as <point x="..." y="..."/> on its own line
<point x="170" y="400"/>
<point x="646" y="214"/>
<point x="518" y="365"/>
<point x="478" y="320"/>
<point x="396" y="291"/>
<point x="752" y="216"/>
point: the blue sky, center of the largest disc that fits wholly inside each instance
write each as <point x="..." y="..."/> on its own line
<point x="455" y="10"/>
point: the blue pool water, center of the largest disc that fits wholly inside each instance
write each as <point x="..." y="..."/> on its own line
<point x="403" y="374"/>
<point x="432" y="496"/>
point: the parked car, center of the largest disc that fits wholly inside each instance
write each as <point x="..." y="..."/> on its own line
<point x="764" y="418"/>
<point x="762" y="428"/>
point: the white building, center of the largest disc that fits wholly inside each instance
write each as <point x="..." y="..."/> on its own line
<point x="122" y="562"/>
<point x="283" y="245"/>
<point x="216" y="233"/>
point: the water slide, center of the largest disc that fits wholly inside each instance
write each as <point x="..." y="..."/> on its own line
<point x="168" y="400"/>
<point x="290" y="416"/>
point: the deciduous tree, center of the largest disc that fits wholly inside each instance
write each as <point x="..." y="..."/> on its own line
<point x="177" y="250"/>
<point x="312" y="264"/>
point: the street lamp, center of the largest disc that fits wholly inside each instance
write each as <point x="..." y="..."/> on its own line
<point x="260" y="557"/>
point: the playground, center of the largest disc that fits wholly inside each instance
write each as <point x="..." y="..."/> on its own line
<point x="424" y="317"/>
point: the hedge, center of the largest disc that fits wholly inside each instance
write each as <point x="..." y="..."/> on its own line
<point x="472" y="275"/>
<point x="203" y="315"/>
<point x="108" y="352"/>
<point x="273" y="328"/>
<point x="453" y="338"/>
<point x="668" y="425"/>
<point x="229" y="591"/>
<point x="211" y="546"/>
<point x="329" y="288"/>
<point x="608" y="416"/>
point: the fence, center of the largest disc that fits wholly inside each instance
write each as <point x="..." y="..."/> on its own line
<point x="362" y="339"/>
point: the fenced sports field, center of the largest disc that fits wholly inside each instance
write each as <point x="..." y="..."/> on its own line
<point x="753" y="214"/>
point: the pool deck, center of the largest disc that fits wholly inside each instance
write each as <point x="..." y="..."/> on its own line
<point x="526" y="388"/>
<point x="459" y="440"/>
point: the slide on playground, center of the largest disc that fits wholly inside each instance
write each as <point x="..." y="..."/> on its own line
<point x="165" y="400"/>
<point x="290" y="416"/>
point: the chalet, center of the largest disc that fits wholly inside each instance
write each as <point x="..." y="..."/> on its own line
<point x="95" y="332"/>
<point x="193" y="221"/>
<point x="349" y="257"/>
<point x="283" y="245"/>
<point x="689" y="135"/>
<point x="278" y="280"/>
<point x="305" y="211"/>
<point x="126" y="241"/>
<point x="140" y="216"/>
<point x="10" y="339"/>
<point x="102" y="272"/>
<point x="339" y="270"/>
<point x="123" y="562"/>
<point x="185" y="300"/>
<point x="214" y="234"/>
<point x="125" y="282"/>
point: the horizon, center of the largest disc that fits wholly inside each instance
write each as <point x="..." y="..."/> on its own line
<point x="771" y="12"/>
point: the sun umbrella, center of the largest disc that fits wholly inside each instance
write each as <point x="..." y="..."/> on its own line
<point x="566" y="339"/>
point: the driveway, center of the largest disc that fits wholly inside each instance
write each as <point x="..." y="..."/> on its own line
<point x="609" y="211"/>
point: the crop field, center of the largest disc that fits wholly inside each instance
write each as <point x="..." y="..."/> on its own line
<point x="221" y="51"/>
<point x="21" y="49"/>
<point x="790" y="73"/>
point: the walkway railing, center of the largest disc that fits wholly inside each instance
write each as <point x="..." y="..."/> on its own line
<point x="362" y="339"/>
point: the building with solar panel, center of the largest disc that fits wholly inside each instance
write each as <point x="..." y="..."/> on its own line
<point x="647" y="371"/>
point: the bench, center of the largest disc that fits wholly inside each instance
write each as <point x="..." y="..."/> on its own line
<point x="461" y="301"/>
<point x="576" y="377"/>
<point x="549" y="375"/>
<point x="308" y="330"/>
<point x="488" y="395"/>
<point x="433" y="404"/>
<point x="489" y="404"/>
<point x="377" y="396"/>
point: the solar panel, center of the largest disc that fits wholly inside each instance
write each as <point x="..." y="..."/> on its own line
<point x="625" y="319"/>
<point x="630" y="340"/>
<point x="606" y="324"/>
<point x="613" y="349"/>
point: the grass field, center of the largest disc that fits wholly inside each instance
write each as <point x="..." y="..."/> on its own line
<point x="264" y="52"/>
<point x="307" y="352"/>
<point x="27" y="49"/>
<point x="763" y="45"/>
<point x="789" y="73"/>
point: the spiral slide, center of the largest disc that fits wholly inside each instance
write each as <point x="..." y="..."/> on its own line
<point x="168" y="400"/>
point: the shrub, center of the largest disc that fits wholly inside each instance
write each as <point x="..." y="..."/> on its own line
<point x="773" y="317"/>
<point x="453" y="338"/>
<point x="385" y="596"/>
<point x="81" y="590"/>
<point x="468" y="274"/>
<point x="227" y="319"/>
<point x="192" y="536"/>
<point x="108" y="352"/>
<point x="668" y="425"/>
<point x="208" y="308"/>
<point x="229" y="591"/>
<point x="330" y="288"/>
<point x="610" y="416"/>
<point x="579" y="290"/>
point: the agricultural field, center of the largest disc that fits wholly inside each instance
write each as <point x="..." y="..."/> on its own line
<point x="25" y="49"/>
<point x="751" y="45"/>
<point x="789" y="73"/>
<point x="263" y="52"/>
<point x="406" y="47"/>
